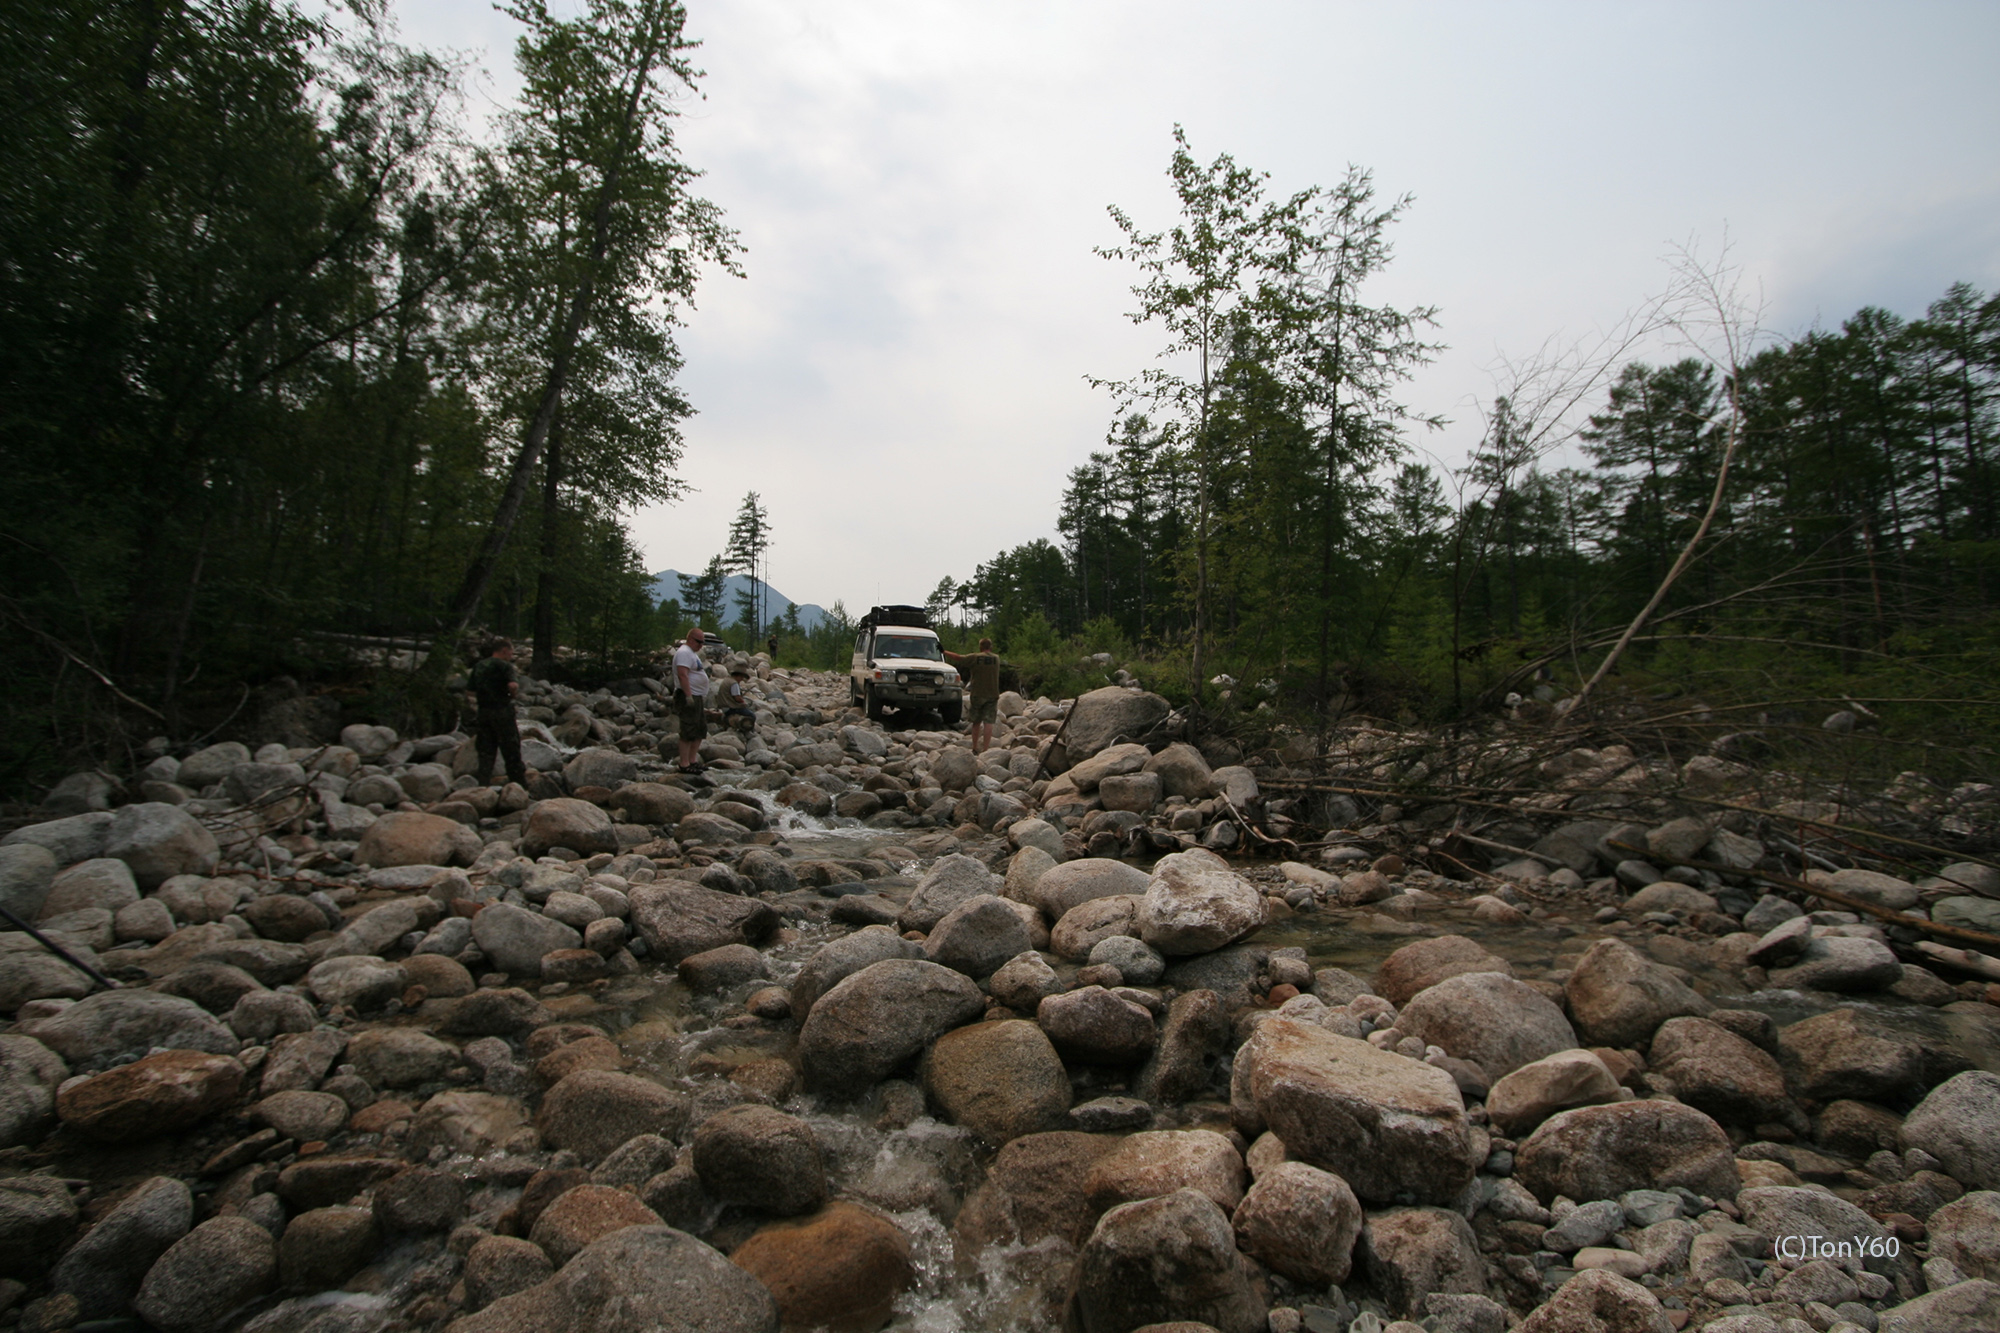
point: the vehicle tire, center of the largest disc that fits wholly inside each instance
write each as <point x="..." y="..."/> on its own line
<point x="853" y="693"/>
<point x="952" y="713"/>
<point x="870" y="704"/>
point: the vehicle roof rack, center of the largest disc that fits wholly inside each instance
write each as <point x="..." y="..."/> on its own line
<point x="914" y="617"/>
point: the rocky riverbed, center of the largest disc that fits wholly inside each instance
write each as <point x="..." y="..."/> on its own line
<point x="860" y="1030"/>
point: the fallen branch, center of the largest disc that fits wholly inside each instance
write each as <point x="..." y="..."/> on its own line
<point x="1964" y="959"/>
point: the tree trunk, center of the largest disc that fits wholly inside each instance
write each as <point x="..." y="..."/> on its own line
<point x="545" y="573"/>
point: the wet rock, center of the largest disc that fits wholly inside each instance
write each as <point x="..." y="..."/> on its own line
<point x="1419" y="966"/>
<point x="1668" y="896"/>
<point x="977" y="936"/>
<point x="304" y="1116"/>
<point x="207" y="1274"/>
<point x="1300" y="1221"/>
<point x="1022" y="981"/>
<point x="720" y="969"/>
<point x="1618" y="998"/>
<point x="1534" y="1092"/>
<point x="1491" y="1019"/>
<point x="585" y="1214"/>
<point x="999" y="1080"/>
<point x="567" y="822"/>
<point x="442" y="978"/>
<point x="592" y="1052"/>
<point x="419" y="1199"/>
<point x="952" y="880"/>
<point x="1095" y="1026"/>
<point x="323" y="1246"/>
<point x="841" y="958"/>
<point x="636" y="1162"/>
<point x="1087" y="925"/>
<point x="1958" y="1123"/>
<point x="1599" y="1301"/>
<point x="1409" y="1252"/>
<point x="1193" y="1036"/>
<point x="29" y="1075"/>
<point x="160" y="1094"/>
<point x="497" y="1011"/>
<point x="104" y="1269"/>
<point x="678" y="919"/>
<point x="650" y="803"/>
<point x="112" y="1026"/>
<point x="840" y="1269"/>
<point x="592" y="1112"/>
<point x="1153" y="1163"/>
<point x="1388" y="1125"/>
<point x="1842" y="1054"/>
<point x="502" y="1265"/>
<point x="470" y="1123"/>
<point x="873" y="1021"/>
<point x="1718" y="1072"/>
<point x="361" y="983"/>
<point x="1600" y="1152"/>
<point x="326" y="1182"/>
<point x="1194" y="904"/>
<point x="1164" y="1259"/>
<point x="647" y="1278"/>
<point x="759" y="1156"/>
<point x="1033" y="1191"/>
<point x="400" y="1057"/>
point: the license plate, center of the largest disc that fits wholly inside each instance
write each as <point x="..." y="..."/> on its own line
<point x="921" y="689"/>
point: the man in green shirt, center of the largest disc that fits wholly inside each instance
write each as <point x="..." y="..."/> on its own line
<point x="494" y="685"/>
<point x="982" y="673"/>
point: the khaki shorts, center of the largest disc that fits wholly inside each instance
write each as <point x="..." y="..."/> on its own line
<point x="694" y="722"/>
<point x="984" y="710"/>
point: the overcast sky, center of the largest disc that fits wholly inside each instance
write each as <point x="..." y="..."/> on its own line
<point x="919" y="185"/>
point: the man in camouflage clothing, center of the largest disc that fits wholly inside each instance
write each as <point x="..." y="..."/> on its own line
<point x="494" y="685"/>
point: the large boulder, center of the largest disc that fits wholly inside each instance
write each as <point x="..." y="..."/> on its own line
<point x="159" y="841"/>
<point x="207" y="1274"/>
<point x="160" y="1094"/>
<point x="1097" y="1026"/>
<point x="1300" y="1221"/>
<point x="1964" y="1307"/>
<point x="104" y="1269"/>
<point x="978" y="935"/>
<point x="30" y="1073"/>
<point x="1085" y="926"/>
<point x="564" y="821"/>
<point x="1074" y="883"/>
<point x="1600" y="1301"/>
<point x="1182" y="772"/>
<point x="1033" y="1191"/>
<point x="516" y="939"/>
<point x="1959" y="1124"/>
<point x="1967" y="1232"/>
<point x="1618" y="997"/>
<point x="761" y="1157"/>
<point x="1600" y="1152"/>
<point x="1170" y="1258"/>
<point x="1716" y="1071"/>
<point x="1491" y="1019"/>
<point x="867" y="1026"/>
<point x="112" y="1027"/>
<point x="840" y="958"/>
<point x="599" y="768"/>
<point x="412" y="838"/>
<point x="842" y="1268"/>
<point x="69" y="840"/>
<point x="651" y="803"/>
<point x="1388" y="1125"/>
<point x="26" y="871"/>
<point x="1534" y="1092"/>
<point x="1113" y="761"/>
<point x="1153" y="1163"/>
<point x="1411" y="1252"/>
<point x="1195" y="903"/>
<point x="1104" y="717"/>
<point x="677" y="919"/>
<point x="1843" y="964"/>
<point x="1844" y="1053"/>
<point x="1777" y="1212"/>
<point x="643" y="1279"/>
<point x="999" y="1080"/>
<point x="953" y="880"/>
<point x="1423" y="964"/>
<point x="593" y="1112"/>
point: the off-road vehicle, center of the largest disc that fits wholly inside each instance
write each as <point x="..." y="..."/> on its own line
<point x="899" y="663"/>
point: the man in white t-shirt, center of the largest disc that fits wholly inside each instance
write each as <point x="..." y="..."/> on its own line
<point x="691" y="699"/>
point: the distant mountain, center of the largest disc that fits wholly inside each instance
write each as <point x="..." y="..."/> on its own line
<point x="667" y="584"/>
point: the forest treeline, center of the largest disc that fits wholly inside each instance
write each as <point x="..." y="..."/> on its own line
<point x="1270" y="516"/>
<point x="286" y="353"/>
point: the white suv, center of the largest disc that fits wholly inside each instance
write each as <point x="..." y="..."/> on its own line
<point x="899" y="663"/>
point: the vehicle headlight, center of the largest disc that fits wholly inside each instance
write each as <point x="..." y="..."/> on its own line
<point x="902" y="678"/>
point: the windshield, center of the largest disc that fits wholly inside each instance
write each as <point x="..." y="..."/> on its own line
<point x="903" y="645"/>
